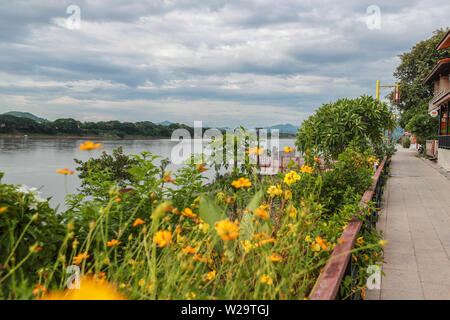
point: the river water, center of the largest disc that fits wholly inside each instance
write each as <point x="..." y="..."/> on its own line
<point x="33" y="162"/>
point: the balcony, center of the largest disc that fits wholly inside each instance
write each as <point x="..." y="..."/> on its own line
<point x="439" y="99"/>
<point x="439" y="75"/>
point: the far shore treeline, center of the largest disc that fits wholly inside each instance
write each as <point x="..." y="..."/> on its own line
<point x="11" y="125"/>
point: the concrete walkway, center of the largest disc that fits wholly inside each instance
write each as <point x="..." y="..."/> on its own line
<point x="416" y="220"/>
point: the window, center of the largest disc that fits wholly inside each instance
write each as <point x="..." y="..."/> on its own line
<point x="444" y="121"/>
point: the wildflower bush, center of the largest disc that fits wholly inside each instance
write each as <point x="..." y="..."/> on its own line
<point x="164" y="235"/>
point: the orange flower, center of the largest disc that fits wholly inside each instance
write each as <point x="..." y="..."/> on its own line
<point x="266" y="279"/>
<point x="189" y="249"/>
<point x="261" y="213"/>
<point x="65" y="171"/>
<point x="113" y="242"/>
<point x="90" y="289"/>
<point x="137" y="222"/>
<point x="241" y="183"/>
<point x="90" y="145"/>
<point x="3" y="209"/>
<point x="227" y="230"/>
<point x="169" y="179"/>
<point x="39" y="289"/>
<point x="79" y="258"/>
<point x="275" y="257"/>
<point x="188" y="213"/>
<point x="321" y="243"/>
<point x="117" y="200"/>
<point x="201" y="167"/>
<point x="199" y="258"/>
<point x="306" y="169"/>
<point x="162" y="238"/>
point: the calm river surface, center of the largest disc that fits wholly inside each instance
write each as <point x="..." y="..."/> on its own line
<point x="33" y="162"/>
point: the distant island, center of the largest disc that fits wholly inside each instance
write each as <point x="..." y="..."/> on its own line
<point x="18" y="124"/>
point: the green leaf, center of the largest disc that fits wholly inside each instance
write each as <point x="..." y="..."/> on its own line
<point x="209" y="211"/>
<point x="247" y="228"/>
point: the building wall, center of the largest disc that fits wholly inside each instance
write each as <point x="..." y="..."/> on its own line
<point x="444" y="158"/>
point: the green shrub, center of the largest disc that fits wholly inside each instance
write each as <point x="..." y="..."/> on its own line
<point x="406" y="143"/>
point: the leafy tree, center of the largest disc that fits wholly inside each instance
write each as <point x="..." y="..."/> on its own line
<point x="114" y="168"/>
<point x="68" y="125"/>
<point x="424" y="126"/>
<point x="334" y="126"/>
<point x="414" y="67"/>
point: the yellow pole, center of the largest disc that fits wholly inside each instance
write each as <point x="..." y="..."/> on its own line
<point x="378" y="90"/>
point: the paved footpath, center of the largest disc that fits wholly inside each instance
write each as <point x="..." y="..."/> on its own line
<point x="416" y="220"/>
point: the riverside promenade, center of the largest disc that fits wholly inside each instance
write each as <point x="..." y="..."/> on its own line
<point x="416" y="220"/>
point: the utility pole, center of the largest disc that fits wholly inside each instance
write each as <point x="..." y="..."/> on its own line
<point x="396" y="96"/>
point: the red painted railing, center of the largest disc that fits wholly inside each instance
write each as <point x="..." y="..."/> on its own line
<point x="327" y="285"/>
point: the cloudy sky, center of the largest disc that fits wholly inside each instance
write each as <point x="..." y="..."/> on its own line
<point x="256" y="62"/>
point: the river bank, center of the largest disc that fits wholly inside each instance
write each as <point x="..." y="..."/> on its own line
<point x="21" y="136"/>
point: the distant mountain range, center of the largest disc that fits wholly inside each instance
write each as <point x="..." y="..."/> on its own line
<point x="283" y="128"/>
<point x="25" y="115"/>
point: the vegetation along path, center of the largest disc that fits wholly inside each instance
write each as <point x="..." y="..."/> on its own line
<point x="416" y="221"/>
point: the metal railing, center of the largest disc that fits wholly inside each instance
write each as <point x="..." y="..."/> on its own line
<point x="444" y="142"/>
<point x="339" y="264"/>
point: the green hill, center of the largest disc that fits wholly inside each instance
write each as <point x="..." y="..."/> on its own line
<point x="26" y="115"/>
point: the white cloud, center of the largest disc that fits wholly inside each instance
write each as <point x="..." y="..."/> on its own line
<point x="159" y="60"/>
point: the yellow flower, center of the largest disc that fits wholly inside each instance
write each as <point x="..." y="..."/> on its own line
<point x="141" y="282"/>
<point x="292" y="211"/>
<point x="306" y="169"/>
<point x="308" y="239"/>
<point x="227" y="230"/>
<point x="274" y="191"/>
<point x="188" y="213"/>
<point x="314" y="247"/>
<point x="288" y="194"/>
<point x="65" y="171"/>
<point x="241" y="183"/>
<point x="382" y="242"/>
<point x="90" y="289"/>
<point x="113" y="242"/>
<point x="260" y="212"/>
<point x="79" y="258"/>
<point x="190" y="295"/>
<point x="210" y="275"/>
<point x="137" y="222"/>
<point x="275" y="257"/>
<point x="360" y="240"/>
<point x="3" y="209"/>
<point x="287" y="149"/>
<point x="247" y="245"/>
<point x="291" y="178"/>
<point x="89" y="145"/>
<point x="162" y="238"/>
<point x="266" y="279"/>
